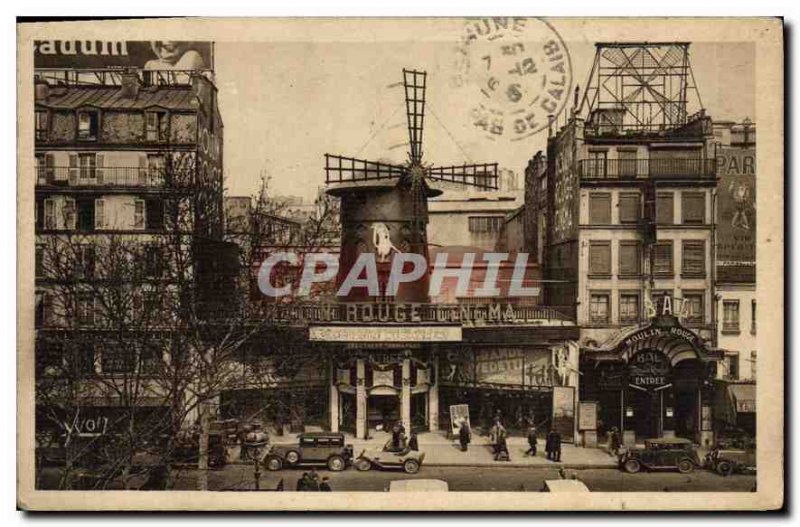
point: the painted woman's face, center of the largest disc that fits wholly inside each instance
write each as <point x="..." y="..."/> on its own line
<point x="171" y="50"/>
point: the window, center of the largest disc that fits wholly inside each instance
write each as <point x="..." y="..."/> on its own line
<point x="69" y="213"/>
<point x="155" y="168"/>
<point x="630" y="207"/>
<point x="627" y="163"/>
<point x="138" y="214"/>
<point x="84" y="261"/>
<point x="153" y="261"/>
<point x="99" y="214"/>
<point x="732" y="363"/>
<point x="665" y="209"/>
<point x="630" y="258"/>
<point x="693" y="258"/>
<point x="42" y="125"/>
<point x="39" y="264"/>
<point x="753" y="317"/>
<point x="85" y="310"/>
<point x="150" y="358"/>
<point x="596" y="164"/>
<point x="87" y="164"/>
<point x="662" y="259"/>
<point x="693" y="308"/>
<point x="629" y="307"/>
<point x="86" y="218"/>
<point x="693" y="208"/>
<point x="117" y="359"/>
<point x="156" y="126"/>
<point x="88" y="125"/>
<point x="154" y="214"/>
<point x="600" y="258"/>
<point x="485" y="224"/>
<point x="730" y="316"/>
<point x="152" y="305"/>
<point x="49" y="214"/>
<point x="599" y="208"/>
<point x="599" y="312"/>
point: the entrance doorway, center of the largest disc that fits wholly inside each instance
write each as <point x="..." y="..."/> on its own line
<point x="383" y="411"/>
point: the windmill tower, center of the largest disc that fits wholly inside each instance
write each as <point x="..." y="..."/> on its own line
<point x="384" y="207"/>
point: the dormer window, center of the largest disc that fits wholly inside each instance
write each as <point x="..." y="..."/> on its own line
<point x="88" y="125"/>
<point x="156" y="125"/>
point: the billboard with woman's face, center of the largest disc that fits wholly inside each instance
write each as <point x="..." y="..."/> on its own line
<point x="102" y="54"/>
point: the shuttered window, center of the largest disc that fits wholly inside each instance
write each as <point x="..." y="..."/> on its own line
<point x="599" y="308"/>
<point x="629" y="307"/>
<point x="600" y="258"/>
<point x="693" y="308"/>
<point x="138" y="214"/>
<point x="599" y="208"/>
<point x="665" y="208"/>
<point x="630" y="258"/>
<point x="693" y="207"/>
<point x="693" y="261"/>
<point x="629" y="207"/>
<point x="662" y="259"/>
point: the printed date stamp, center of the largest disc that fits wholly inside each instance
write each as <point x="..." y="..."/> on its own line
<point x="521" y="71"/>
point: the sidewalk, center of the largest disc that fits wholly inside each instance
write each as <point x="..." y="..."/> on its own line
<point x="444" y="452"/>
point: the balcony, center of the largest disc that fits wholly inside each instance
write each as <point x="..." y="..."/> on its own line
<point x="103" y="177"/>
<point x="632" y="169"/>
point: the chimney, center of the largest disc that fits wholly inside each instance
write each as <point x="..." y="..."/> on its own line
<point x="130" y="84"/>
<point x="42" y="90"/>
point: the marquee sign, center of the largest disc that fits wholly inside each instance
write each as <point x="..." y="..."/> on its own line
<point x="649" y="369"/>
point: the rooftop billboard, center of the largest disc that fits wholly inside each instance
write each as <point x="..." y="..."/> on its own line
<point x="103" y="54"/>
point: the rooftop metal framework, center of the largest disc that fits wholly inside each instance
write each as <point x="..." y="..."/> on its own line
<point x="643" y="87"/>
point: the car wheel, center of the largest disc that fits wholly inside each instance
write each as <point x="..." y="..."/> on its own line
<point x="362" y="464"/>
<point x="336" y="463"/>
<point x="274" y="463"/>
<point x="685" y="466"/>
<point x="411" y="466"/>
<point x="292" y="457"/>
<point x="725" y="468"/>
<point x="632" y="466"/>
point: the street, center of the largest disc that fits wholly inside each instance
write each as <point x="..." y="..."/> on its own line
<point x="479" y="479"/>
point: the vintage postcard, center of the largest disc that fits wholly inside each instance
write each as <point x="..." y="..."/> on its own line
<point x="506" y="263"/>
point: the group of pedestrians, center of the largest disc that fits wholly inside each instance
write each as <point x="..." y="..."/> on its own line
<point x="310" y="481"/>
<point x="498" y="436"/>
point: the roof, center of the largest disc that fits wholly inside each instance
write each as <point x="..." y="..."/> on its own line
<point x="110" y="97"/>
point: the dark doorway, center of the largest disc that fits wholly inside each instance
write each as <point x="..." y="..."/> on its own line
<point x="383" y="410"/>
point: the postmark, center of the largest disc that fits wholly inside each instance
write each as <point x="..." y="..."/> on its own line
<point x="519" y="71"/>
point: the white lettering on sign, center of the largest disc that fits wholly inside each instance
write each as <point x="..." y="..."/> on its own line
<point x="385" y="334"/>
<point x="87" y="427"/>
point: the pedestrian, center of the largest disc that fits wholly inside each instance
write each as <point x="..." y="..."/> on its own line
<point x="614" y="441"/>
<point x="313" y="480"/>
<point x="556" y="446"/>
<point x="501" y="450"/>
<point x="325" y="486"/>
<point x="531" y="442"/>
<point x="412" y="442"/>
<point x="495" y="433"/>
<point x="464" y="435"/>
<point x="302" y="483"/>
<point x="548" y="444"/>
<point x="401" y="433"/>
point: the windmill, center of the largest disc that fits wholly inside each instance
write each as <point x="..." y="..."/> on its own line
<point x="393" y="199"/>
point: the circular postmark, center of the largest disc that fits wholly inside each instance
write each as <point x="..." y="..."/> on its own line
<point x="520" y="70"/>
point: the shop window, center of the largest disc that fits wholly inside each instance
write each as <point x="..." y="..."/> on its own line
<point x="599" y="208"/>
<point x="693" y="259"/>
<point x="662" y="259"/>
<point x="730" y="316"/>
<point x="600" y="258"/>
<point x="630" y="258"/>
<point x="693" y="308"/>
<point x="629" y="207"/>
<point x="629" y="307"/>
<point x="599" y="312"/>
<point x="42" y="125"/>
<point x="665" y="208"/>
<point x="693" y="208"/>
<point x="88" y="125"/>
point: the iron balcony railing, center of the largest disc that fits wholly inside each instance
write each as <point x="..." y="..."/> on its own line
<point x="103" y="177"/>
<point x="646" y="168"/>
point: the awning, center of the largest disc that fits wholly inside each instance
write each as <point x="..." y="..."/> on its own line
<point x="743" y="397"/>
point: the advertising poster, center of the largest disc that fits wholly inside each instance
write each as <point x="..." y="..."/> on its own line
<point x="564" y="412"/>
<point x="459" y="414"/>
<point x="101" y="54"/>
<point x="587" y="415"/>
<point x="736" y="214"/>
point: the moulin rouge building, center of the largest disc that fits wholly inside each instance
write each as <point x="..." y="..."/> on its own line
<point x="377" y="356"/>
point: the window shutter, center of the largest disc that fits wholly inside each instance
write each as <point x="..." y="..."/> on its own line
<point x="99" y="172"/>
<point x="629" y="208"/>
<point x="49" y="214"/>
<point x="665" y="210"/>
<point x="69" y="213"/>
<point x="142" y="170"/>
<point x="73" y="168"/>
<point x="138" y="214"/>
<point x="99" y="213"/>
<point x="49" y="167"/>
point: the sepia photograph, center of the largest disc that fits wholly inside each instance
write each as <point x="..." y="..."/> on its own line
<point x="456" y="257"/>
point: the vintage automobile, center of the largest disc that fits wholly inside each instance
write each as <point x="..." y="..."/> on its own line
<point x="408" y="460"/>
<point x="731" y="461"/>
<point x="661" y="454"/>
<point x="312" y="448"/>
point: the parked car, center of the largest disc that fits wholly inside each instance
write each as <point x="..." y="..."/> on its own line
<point x="731" y="461"/>
<point x="409" y="460"/>
<point x="312" y="448"/>
<point x="661" y="454"/>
